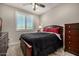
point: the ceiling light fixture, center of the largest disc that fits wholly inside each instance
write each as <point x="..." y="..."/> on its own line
<point x="34" y="5"/>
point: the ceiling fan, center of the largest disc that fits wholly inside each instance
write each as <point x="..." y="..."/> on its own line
<point x="35" y="4"/>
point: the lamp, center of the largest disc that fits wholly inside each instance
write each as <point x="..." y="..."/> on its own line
<point x="40" y="27"/>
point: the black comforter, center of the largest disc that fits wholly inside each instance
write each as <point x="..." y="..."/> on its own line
<point x="42" y="43"/>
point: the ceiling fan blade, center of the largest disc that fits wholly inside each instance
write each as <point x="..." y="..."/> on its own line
<point x="41" y="5"/>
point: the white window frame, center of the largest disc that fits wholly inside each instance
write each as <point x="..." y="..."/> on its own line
<point x="25" y="22"/>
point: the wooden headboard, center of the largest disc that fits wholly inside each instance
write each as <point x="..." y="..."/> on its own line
<point x="56" y="26"/>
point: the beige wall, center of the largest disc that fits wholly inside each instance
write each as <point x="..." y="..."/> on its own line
<point x="61" y="14"/>
<point x="9" y="22"/>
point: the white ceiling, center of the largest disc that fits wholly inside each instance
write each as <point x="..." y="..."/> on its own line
<point x="28" y="7"/>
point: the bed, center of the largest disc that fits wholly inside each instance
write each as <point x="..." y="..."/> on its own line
<point x="42" y="43"/>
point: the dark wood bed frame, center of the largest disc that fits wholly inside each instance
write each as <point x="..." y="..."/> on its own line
<point x="27" y="48"/>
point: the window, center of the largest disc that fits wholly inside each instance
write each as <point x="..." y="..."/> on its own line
<point x="29" y="22"/>
<point x="24" y="22"/>
<point x="20" y="21"/>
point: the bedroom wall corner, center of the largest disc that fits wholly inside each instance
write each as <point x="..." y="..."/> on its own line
<point x="62" y="14"/>
<point x="7" y="13"/>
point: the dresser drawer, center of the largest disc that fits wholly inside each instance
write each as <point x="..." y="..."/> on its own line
<point x="74" y="44"/>
<point x="72" y="50"/>
<point x="72" y="26"/>
<point x="72" y="32"/>
<point x="3" y="43"/>
<point x="70" y="38"/>
<point x="3" y="49"/>
<point x="70" y="47"/>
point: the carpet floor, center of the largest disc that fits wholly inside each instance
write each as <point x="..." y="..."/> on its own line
<point x="15" y="50"/>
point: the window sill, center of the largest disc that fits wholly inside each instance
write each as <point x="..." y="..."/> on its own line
<point x="27" y="30"/>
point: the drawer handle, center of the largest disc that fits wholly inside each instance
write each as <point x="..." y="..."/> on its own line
<point x="69" y="31"/>
<point x="69" y="42"/>
<point x="69" y="26"/>
<point x="69" y="47"/>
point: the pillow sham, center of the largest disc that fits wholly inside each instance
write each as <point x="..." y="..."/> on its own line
<point x="55" y="30"/>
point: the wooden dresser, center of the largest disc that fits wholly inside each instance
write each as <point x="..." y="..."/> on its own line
<point x="3" y="43"/>
<point x="72" y="38"/>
